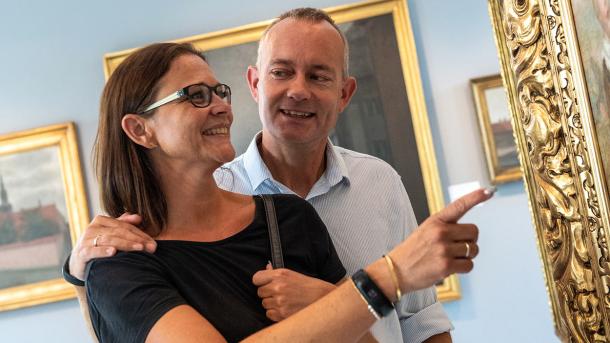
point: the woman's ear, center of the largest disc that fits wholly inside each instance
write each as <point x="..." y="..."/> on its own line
<point x="138" y="130"/>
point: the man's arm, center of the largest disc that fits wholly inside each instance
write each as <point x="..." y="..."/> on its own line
<point x="104" y="237"/>
<point x="422" y="318"/>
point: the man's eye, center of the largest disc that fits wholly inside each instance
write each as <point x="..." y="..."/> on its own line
<point x="321" y="78"/>
<point x="278" y="73"/>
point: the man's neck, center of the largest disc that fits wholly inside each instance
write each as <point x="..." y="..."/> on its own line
<point x="298" y="167"/>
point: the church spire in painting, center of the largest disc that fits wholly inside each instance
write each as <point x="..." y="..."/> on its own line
<point x="5" y="206"/>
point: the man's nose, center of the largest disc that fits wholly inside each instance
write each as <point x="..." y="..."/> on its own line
<point x="298" y="89"/>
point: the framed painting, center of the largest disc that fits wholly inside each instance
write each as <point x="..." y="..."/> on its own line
<point x="496" y="130"/>
<point x="43" y="209"/>
<point x="555" y="58"/>
<point x="387" y="116"/>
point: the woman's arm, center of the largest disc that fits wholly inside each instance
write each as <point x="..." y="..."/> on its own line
<point x="341" y="316"/>
<point x="433" y="251"/>
<point x="84" y="308"/>
<point x="183" y="324"/>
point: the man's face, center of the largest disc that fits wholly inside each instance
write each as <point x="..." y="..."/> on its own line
<point x="299" y="84"/>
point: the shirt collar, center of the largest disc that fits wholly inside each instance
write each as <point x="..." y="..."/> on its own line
<point x="336" y="170"/>
<point x="255" y="166"/>
<point x="257" y="171"/>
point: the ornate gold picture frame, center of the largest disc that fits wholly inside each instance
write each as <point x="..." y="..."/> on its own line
<point x="43" y="209"/>
<point x="496" y="129"/>
<point x="549" y="51"/>
<point x="231" y="51"/>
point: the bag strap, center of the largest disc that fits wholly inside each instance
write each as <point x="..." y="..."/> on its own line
<point x="277" y="259"/>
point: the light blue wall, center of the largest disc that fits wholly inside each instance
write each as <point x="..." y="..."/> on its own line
<point x="505" y="299"/>
<point x="51" y="72"/>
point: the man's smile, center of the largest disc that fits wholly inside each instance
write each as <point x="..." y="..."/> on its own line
<point x="297" y="114"/>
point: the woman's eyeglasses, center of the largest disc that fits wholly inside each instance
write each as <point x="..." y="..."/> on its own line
<point x="200" y="95"/>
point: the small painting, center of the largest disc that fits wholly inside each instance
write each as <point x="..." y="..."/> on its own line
<point x="42" y="210"/>
<point x="496" y="129"/>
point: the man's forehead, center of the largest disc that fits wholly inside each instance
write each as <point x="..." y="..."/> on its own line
<point x="304" y="29"/>
<point x="293" y="39"/>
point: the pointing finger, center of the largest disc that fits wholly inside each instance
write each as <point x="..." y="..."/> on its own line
<point x="454" y="211"/>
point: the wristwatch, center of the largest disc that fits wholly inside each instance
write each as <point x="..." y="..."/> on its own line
<point x="372" y="293"/>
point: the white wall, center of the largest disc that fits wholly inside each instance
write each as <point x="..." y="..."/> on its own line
<point x="52" y="72"/>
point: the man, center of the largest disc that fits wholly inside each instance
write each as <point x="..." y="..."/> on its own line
<point x="301" y="84"/>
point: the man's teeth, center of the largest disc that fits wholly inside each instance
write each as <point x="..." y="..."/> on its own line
<point x="216" y="131"/>
<point x="298" y="114"/>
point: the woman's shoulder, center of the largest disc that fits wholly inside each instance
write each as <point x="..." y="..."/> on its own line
<point x="125" y="263"/>
<point x="127" y="257"/>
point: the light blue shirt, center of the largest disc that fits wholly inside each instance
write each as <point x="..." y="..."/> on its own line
<point x="367" y="212"/>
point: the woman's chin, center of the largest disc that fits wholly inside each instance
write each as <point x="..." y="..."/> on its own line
<point x="227" y="155"/>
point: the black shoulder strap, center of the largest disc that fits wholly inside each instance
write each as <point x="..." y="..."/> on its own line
<point x="277" y="259"/>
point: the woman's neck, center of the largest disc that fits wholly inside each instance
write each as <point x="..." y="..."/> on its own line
<point x="198" y="210"/>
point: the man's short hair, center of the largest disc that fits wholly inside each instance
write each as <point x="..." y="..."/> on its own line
<point x="312" y="15"/>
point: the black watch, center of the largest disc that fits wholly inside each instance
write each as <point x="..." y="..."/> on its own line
<point x="65" y="272"/>
<point x="372" y="293"/>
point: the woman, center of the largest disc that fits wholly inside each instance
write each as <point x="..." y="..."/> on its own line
<point x="164" y="129"/>
<point x="158" y="159"/>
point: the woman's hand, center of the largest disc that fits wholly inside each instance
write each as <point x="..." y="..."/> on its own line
<point x="438" y="248"/>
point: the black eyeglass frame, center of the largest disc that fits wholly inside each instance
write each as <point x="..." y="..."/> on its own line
<point x="184" y="92"/>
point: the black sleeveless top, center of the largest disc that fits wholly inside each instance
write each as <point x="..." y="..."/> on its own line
<point x="129" y="292"/>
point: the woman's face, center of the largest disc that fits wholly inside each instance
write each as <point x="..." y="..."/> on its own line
<point x="187" y="135"/>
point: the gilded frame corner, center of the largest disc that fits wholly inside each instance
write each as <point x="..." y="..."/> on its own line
<point x="62" y="136"/>
<point x="449" y="289"/>
<point x="561" y="159"/>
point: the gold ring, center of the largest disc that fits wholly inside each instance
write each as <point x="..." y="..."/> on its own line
<point x="467" y="250"/>
<point x="95" y="240"/>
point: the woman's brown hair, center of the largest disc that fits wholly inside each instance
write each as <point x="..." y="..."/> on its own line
<point x="127" y="180"/>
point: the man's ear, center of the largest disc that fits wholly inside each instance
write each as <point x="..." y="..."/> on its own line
<point x="138" y="130"/>
<point x="253" y="78"/>
<point x="347" y="91"/>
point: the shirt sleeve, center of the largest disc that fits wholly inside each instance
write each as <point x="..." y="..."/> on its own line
<point x="127" y="294"/>
<point x="328" y="264"/>
<point x="420" y="314"/>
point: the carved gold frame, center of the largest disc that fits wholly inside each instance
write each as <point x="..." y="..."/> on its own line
<point x="449" y="288"/>
<point x="63" y="136"/>
<point x="496" y="173"/>
<point x="559" y="153"/>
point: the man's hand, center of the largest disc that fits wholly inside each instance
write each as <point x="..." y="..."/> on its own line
<point x="284" y="292"/>
<point x="104" y="236"/>
<point x="440" y="246"/>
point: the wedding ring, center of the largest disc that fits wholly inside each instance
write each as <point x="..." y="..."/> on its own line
<point x="96" y="239"/>
<point x="467" y="250"/>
